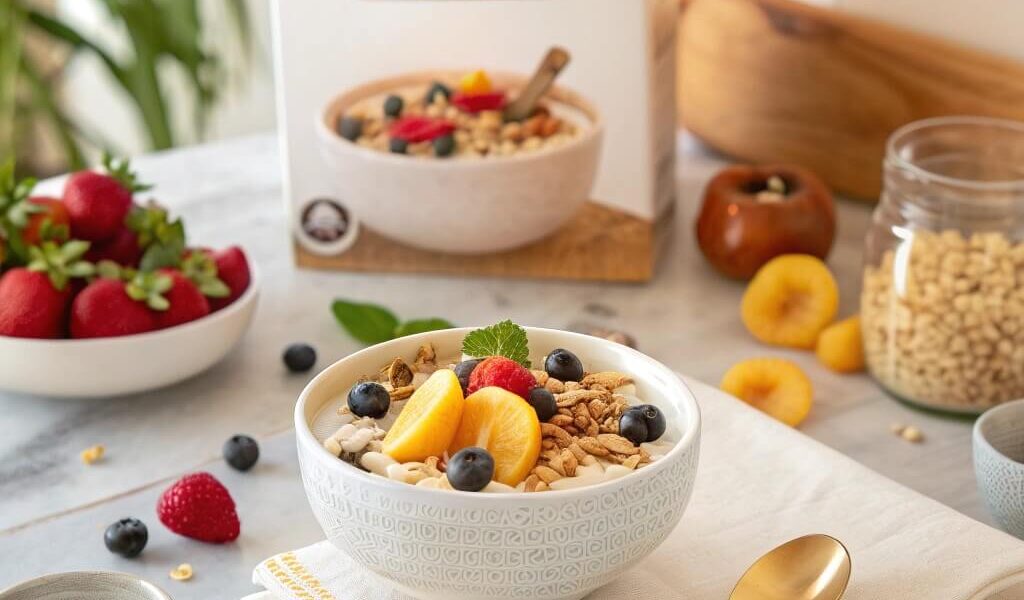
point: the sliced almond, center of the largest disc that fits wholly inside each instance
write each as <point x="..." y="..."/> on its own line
<point x="561" y="436"/>
<point x="401" y="393"/>
<point x="554" y="386"/>
<point x="569" y="463"/>
<point x="592" y="446"/>
<point x="571" y="398"/>
<point x="530" y="484"/>
<point x="397" y="373"/>
<point x="617" y="443"/>
<point x="607" y="379"/>
<point x="561" y="420"/>
<point x="546" y="474"/>
<point x="578" y="452"/>
<point x="632" y="461"/>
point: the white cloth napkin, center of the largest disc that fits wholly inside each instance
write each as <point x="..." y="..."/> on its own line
<point x="759" y="484"/>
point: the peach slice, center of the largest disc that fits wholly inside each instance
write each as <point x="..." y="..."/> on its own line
<point x="774" y="386"/>
<point x="506" y="426"/>
<point x="790" y="301"/>
<point x="428" y="421"/>
<point x="840" y="347"/>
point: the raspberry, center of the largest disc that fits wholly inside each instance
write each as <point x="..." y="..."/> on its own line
<point x="502" y="372"/>
<point x="200" y="507"/>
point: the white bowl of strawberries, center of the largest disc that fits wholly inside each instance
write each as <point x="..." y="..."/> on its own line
<point x="101" y="296"/>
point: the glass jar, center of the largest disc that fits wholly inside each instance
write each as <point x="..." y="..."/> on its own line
<point x="942" y="303"/>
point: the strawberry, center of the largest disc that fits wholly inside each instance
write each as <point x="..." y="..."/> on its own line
<point x="478" y="102"/>
<point x="30" y="306"/>
<point x="200" y="507"/>
<point x="47" y="220"/>
<point x="34" y="300"/>
<point x="504" y="373"/>
<point x="233" y="270"/>
<point x="420" y="129"/>
<point x="123" y="249"/>
<point x="186" y="302"/>
<point x="105" y="309"/>
<point x="99" y="202"/>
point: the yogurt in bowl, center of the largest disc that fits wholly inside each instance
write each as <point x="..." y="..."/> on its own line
<point x="435" y="541"/>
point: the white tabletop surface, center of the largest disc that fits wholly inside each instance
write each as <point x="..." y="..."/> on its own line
<point x="53" y="509"/>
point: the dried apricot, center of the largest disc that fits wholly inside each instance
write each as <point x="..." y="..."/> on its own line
<point x="840" y="347"/>
<point x="790" y="300"/>
<point x="775" y="386"/>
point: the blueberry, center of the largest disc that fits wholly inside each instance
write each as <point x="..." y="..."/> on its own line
<point x="543" y="401"/>
<point x="350" y="128"/>
<point x="654" y="418"/>
<point x="435" y="89"/>
<point x="299" y="358"/>
<point x="241" y="452"/>
<point x="444" y="145"/>
<point x="398" y="145"/>
<point x="563" y="365"/>
<point x="471" y="469"/>
<point x="464" y="369"/>
<point x="369" y="399"/>
<point x="393" y="106"/>
<point x="126" y="537"/>
<point x="633" y="426"/>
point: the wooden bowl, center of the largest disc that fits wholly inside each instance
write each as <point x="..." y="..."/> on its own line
<point x="781" y="81"/>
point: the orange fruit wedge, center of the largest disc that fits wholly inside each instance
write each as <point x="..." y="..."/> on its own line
<point x="428" y="421"/>
<point x="506" y="426"/>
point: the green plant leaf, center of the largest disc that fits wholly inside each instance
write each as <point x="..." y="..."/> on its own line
<point x="421" y="325"/>
<point x="368" y="323"/>
<point x="502" y="339"/>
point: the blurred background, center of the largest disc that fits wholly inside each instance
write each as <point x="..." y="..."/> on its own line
<point x="81" y="76"/>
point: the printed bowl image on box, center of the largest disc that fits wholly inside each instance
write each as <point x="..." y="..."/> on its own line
<point x="406" y="127"/>
<point x="485" y="196"/>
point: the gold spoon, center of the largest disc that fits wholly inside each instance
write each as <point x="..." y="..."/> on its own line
<point x="813" y="567"/>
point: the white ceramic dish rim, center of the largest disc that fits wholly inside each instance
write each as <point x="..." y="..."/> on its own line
<point x="157" y="592"/>
<point x="578" y="103"/>
<point x="222" y="314"/>
<point x="982" y="441"/>
<point x="690" y="431"/>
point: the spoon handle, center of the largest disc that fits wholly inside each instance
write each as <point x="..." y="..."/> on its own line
<point x="522" y="107"/>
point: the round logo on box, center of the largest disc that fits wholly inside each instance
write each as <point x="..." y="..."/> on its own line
<point x="326" y="227"/>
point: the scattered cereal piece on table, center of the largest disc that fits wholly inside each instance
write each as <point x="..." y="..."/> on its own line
<point x="182" y="572"/>
<point x="92" y="454"/>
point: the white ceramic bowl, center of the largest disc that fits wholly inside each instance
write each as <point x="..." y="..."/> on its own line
<point x="437" y="544"/>
<point x="115" y="366"/>
<point x="463" y="205"/>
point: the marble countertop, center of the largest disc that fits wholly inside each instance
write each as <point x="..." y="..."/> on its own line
<point x="53" y="509"/>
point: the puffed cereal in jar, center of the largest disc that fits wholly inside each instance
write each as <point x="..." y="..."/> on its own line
<point x="942" y="303"/>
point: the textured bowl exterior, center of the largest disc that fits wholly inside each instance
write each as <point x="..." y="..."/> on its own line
<point x="84" y="585"/>
<point x="460" y="206"/>
<point x="435" y="544"/>
<point x="998" y="435"/>
<point x="117" y="366"/>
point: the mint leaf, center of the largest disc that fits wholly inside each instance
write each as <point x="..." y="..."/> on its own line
<point x="503" y="339"/>
<point x="368" y="323"/>
<point x="420" y="326"/>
